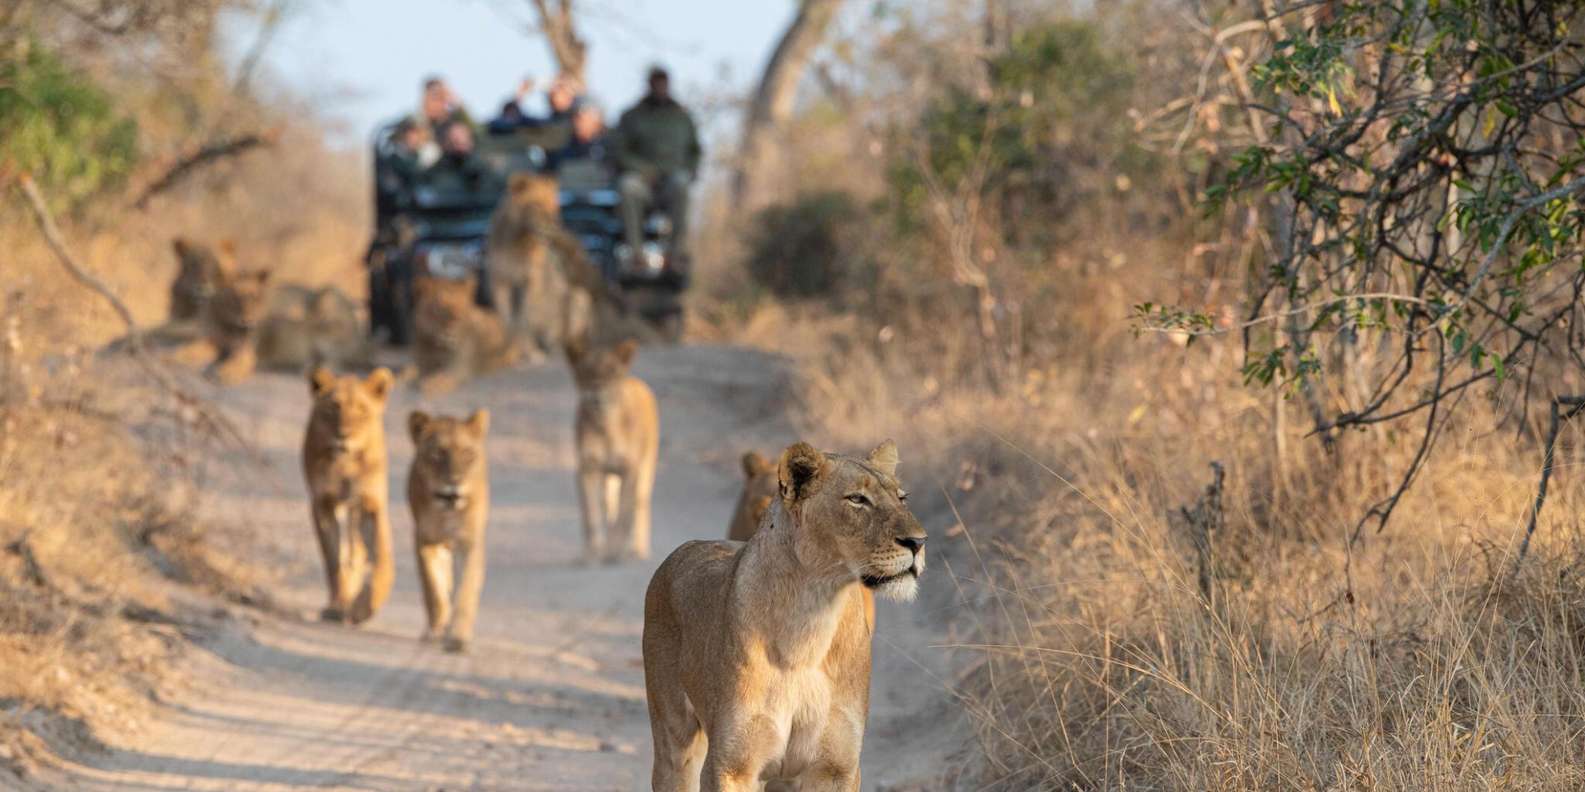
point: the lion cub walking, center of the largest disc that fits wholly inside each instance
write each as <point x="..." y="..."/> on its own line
<point x="448" y="489"/>
<point x="618" y="437"/>
<point x="757" y="655"/>
<point x="759" y="489"/>
<point x="344" y="464"/>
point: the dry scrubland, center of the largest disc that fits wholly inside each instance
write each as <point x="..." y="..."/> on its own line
<point x="1103" y="645"/>
<point x="107" y="571"/>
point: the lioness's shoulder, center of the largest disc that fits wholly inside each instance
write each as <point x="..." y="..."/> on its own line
<point x="694" y="566"/>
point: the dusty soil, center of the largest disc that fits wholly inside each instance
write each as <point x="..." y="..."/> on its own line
<point x="551" y="697"/>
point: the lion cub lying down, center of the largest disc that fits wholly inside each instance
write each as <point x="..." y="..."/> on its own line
<point x="448" y="489"/>
<point x="344" y="464"/>
<point x="757" y="655"/>
<point x="453" y="338"/>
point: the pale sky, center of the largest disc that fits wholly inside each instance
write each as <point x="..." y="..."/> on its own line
<point x="360" y="62"/>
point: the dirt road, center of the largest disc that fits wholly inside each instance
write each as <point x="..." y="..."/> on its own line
<point x="551" y="697"/>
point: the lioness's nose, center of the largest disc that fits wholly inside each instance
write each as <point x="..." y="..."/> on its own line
<point x="913" y="543"/>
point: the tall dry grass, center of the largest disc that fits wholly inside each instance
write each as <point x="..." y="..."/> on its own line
<point x="1419" y="657"/>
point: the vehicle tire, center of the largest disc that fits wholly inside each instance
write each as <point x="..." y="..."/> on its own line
<point x="379" y="302"/>
<point x="670" y="327"/>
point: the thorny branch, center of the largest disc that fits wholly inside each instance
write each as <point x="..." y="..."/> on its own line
<point x="1575" y="404"/>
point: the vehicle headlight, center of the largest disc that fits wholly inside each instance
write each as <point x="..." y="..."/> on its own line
<point x="658" y="225"/>
<point x="451" y="261"/>
<point x="654" y="259"/>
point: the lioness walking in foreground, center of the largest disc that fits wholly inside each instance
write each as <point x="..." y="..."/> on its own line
<point x="618" y="437"/>
<point x="344" y="463"/>
<point x="448" y="489"/>
<point x="757" y="655"/>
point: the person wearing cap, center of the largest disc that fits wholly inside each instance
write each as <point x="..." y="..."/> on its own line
<point x="588" y="140"/>
<point x="658" y="154"/>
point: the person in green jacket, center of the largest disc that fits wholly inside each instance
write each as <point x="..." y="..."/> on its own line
<point x="658" y="156"/>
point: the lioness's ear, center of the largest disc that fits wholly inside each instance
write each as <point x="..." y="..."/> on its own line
<point x="320" y="380"/>
<point x="626" y="350"/>
<point x="183" y="247"/>
<point x="479" y="422"/>
<point x="801" y="467"/>
<point x="416" y="421"/>
<point x="227" y="247"/>
<point x="884" y="458"/>
<point x="379" y="383"/>
<point x="754" y="464"/>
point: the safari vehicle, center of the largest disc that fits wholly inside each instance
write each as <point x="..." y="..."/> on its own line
<point x="650" y="283"/>
<point x="435" y="229"/>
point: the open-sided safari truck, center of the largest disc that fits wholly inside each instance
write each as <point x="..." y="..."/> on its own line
<point x="434" y="226"/>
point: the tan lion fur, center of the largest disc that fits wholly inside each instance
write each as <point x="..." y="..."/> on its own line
<point x="344" y="465"/>
<point x="757" y="654"/>
<point x="448" y="489"/>
<point x="453" y="338"/>
<point x="617" y="431"/>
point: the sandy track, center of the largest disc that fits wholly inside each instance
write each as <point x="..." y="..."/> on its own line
<point x="551" y="697"/>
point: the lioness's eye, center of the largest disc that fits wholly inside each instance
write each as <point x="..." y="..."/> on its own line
<point x="858" y="499"/>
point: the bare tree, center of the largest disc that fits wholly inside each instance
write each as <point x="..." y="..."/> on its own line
<point x="561" y="33"/>
<point x="772" y="103"/>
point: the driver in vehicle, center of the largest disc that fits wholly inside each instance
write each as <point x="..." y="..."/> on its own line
<point x="658" y="154"/>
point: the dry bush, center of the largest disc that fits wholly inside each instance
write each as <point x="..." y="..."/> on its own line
<point x="1054" y="482"/>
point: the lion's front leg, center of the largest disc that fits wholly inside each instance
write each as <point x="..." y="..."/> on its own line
<point x="351" y="557"/>
<point x="328" y="532"/>
<point x="739" y="750"/>
<point x="470" y="552"/>
<point x="235" y="365"/>
<point x="591" y="502"/>
<point x="434" y="573"/>
<point x="374" y="533"/>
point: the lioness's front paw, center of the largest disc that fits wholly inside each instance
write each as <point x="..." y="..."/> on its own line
<point x="455" y="645"/>
<point x="330" y="613"/>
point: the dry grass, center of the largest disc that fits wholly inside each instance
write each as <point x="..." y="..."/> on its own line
<point x="1414" y="659"/>
<point x="103" y="547"/>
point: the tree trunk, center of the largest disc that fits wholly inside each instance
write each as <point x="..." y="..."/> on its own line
<point x="772" y="104"/>
<point x="566" y="46"/>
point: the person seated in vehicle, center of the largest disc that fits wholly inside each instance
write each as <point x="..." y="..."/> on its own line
<point x="398" y="169"/>
<point x="658" y="154"/>
<point x="545" y="130"/>
<point x="438" y="108"/>
<point x="458" y="170"/>
<point x="588" y="141"/>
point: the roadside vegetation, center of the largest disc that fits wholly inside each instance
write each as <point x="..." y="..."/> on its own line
<point x="107" y="565"/>
<point x="1227" y="346"/>
<point x="1224" y="344"/>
